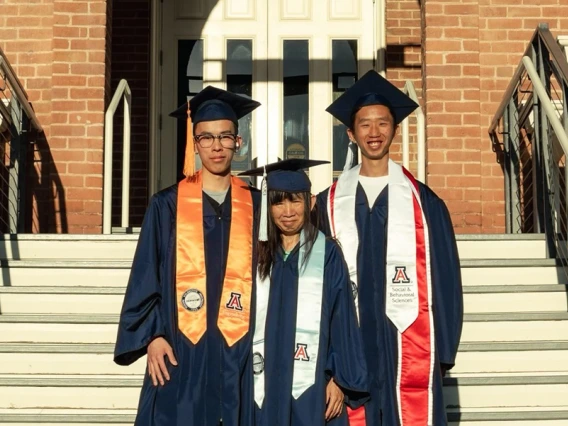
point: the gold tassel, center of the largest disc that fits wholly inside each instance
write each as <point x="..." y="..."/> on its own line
<point x="189" y="162"/>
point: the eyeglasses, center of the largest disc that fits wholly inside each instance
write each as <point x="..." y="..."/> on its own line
<point x="205" y="140"/>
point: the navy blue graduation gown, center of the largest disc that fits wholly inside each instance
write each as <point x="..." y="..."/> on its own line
<point x="379" y="334"/>
<point x="340" y="356"/>
<point x="209" y="383"/>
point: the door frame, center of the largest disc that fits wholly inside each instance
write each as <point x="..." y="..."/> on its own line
<point x="156" y="117"/>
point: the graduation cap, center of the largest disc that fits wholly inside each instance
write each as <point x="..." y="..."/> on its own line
<point x="372" y="89"/>
<point x="286" y="175"/>
<point x="211" y="104"/>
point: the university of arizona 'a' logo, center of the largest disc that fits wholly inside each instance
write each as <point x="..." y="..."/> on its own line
<point x="400" y="276"/>
<point x="301" y="352"/>
<point x="235" y="302"/>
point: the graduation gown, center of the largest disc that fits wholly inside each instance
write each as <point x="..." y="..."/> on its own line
<point x="379" y="334"/>
<point x="340" y="346"/>
<point x="209" y="383"/>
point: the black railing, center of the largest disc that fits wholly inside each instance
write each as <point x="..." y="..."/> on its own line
<point x="529" y="136"/>
<point x="18" y="125"/>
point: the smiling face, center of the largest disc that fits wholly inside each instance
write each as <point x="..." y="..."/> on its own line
<point x="216" y="159"/>
<point x="289" y="214"/>
<point x="373" y="130"/>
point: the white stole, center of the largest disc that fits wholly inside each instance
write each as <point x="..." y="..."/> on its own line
<point x="401" y="280"/>
<point x="308" y="319"/>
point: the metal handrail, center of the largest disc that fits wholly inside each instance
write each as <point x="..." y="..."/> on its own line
<point x="421" y="135"/>
<point x="19" y="90"/>
<point x="547" y="105"/>
<point x="543" y="34"/>
<point x="122" y="92"/>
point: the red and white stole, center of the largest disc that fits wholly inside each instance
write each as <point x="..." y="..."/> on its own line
<point x="408" y="291"/>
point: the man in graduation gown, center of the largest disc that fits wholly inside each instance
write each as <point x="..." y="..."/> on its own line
<point x="399" y="244"/>
<point x="188" y="300"/>
<point x="306" y="332"/>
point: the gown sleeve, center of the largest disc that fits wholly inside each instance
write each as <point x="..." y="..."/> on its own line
<point x="446" y="280"/>
<point x="140" y="318"/>
<point x="346" y="359"/>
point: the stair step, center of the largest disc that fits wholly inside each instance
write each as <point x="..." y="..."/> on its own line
<point x="516" y="302"/>
<point x="68" y="417"/>
<point x="109" y="300"/>
<point x="506" y="391"/>
<point x="102" y="328"/>
<point x="71" y="246"/>
<point x="485" y="246"/>
<point x="476" y="358"/>
<point x="67" y="246"/>
<point x="59" y="272"/>
<point x="122" y="392"/>
<point x="477" y="272"/>
<point x="513" y="416"/>
<point x="548" y="416"/>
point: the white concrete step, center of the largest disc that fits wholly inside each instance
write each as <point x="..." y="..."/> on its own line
<point x="61" y="300"/>
<point x="70" y="246"/>
<point x="495" y="391"/>
<point x="114" y="273"/>
<point x="108" y="300"/>
<point x="497" y="246"/>
<point x="511" y="357"/>
<point x="68" y="417"/>
<point x="511" y="272"/>
<point x="71" y="273"/>
<point x="513" y="416"/>
<point x="94" y="359"/>
<point x="536" y="298"/>
<point x="508" y="327"/>
<point x="37" y="358"/>
<point x="509" y="416"/>
<point x="120" y="392"/>
<point x="102" y="328"/>
<point x="67" y="246"/>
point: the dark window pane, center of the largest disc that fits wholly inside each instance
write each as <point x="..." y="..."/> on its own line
<point x="344" y="70"/>
<point x="296" y="99"/>
<point x="239" y="80"/>
<point x="190" y="82"/>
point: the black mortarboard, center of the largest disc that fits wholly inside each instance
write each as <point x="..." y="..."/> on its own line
<point x="213" y="104"/>
<point x="286" y="175"/>
<point x="372" y="89"/>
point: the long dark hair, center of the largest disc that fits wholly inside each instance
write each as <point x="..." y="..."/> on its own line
<point x="267" y="249"/>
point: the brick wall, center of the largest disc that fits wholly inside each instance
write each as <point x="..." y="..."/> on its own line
<point x="404" y="59"/>
<point x="58" y="49"/>
<point x="131" y="61"/>
<point x="472" y="50"/>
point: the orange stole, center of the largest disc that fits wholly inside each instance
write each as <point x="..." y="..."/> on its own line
<point x="191" y="289"/>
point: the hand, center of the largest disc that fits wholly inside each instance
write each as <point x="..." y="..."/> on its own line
<point x="334" y="401"/>
<point x="157" y="350"/>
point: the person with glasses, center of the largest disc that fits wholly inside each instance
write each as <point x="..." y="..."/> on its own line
<point x="306" y="337"/>
<point x="188" y="301"/>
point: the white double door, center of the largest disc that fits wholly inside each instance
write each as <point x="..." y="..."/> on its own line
<point x="293" y="56"/>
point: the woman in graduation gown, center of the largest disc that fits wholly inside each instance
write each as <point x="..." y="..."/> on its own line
<point x="188" y="300"/>
<point x="306" y="331"/>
